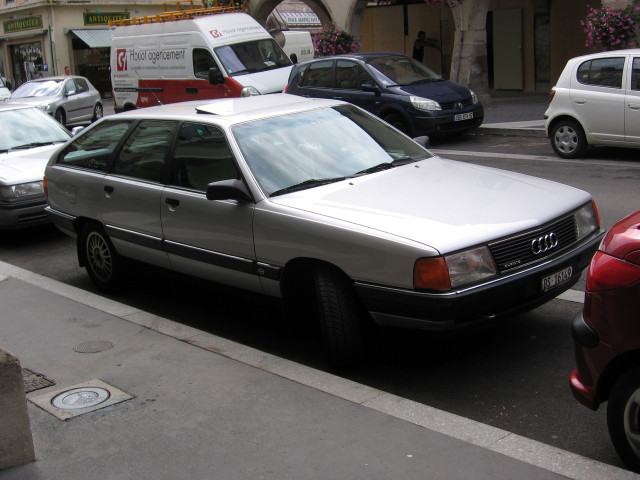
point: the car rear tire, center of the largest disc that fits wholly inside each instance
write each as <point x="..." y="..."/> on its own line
<point x="101" y="260"/>
<point x="623" y="418"/>
<point x="568" y="139"/>
<point x="396" y="120"/>
<point x="339" y="316"/>
<point x="97" y="112"/>
<point x="60" y="116"/>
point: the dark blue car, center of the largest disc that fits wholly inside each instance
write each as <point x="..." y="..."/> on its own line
<point x="395" y="87"/>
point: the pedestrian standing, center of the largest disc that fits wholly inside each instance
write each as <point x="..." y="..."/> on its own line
<point x="67" y="70"/>
<point x="418" y="46"/>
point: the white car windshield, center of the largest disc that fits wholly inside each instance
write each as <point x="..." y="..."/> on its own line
<point x="312" y="148"/>
<point x="37" y="89"/>
<point x="27" y="128"/>
<point x="252" y="57"/>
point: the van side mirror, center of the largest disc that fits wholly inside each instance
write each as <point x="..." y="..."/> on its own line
<point x="294" y="58"/>
<point x="370" y="87"/>
<point x="229" y="190"/>
<point x="215" y="76"/>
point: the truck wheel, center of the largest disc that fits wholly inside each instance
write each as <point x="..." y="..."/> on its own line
<point x="101" y="260"/>
<point x="339" y="317"/>
<point x="568" y="139"/>
<point x="623" y="418"/>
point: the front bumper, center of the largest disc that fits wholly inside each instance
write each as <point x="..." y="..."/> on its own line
<point x="472" y="307"/>
<point x="442" y="122"/>
<point x="23" y="213"/>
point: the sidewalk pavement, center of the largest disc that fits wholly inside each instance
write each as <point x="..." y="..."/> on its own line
<point x="120" y="394"/>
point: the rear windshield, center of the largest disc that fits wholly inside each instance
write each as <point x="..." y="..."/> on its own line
<point x="252" y="57"/>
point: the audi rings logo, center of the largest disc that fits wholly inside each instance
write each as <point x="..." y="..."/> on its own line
<point x="544" y="244"/>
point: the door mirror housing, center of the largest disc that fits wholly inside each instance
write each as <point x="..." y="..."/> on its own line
<point x="370" y="87"/>
<point x="229" y="190"/>
<point x="215" y="76"/>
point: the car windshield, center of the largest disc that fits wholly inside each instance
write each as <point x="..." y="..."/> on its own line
<point x="252" y="57"/>
<point x="37" y="89"/>
<point x="28" y="127"/>
<point x="401" y="70"/>
<point x="307" y="149"/>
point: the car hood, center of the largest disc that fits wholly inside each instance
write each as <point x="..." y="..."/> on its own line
<point x="624" y="237"/>
<point x="444" y="204"/>
<point x="269" y="81"/>
<point x="22" y="166"/>
<point x="441" y="91"/>
<point x="33" y="101"/>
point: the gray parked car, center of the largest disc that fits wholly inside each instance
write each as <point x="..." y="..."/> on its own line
<point x="69" y="99"/>
<point x="317" y="202"/>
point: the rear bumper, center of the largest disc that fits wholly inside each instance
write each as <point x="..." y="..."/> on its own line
<point x="472" y="307"/>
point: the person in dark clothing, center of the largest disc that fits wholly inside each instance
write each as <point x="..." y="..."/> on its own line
<point x="418" y="46"/>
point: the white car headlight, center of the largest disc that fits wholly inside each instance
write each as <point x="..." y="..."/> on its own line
<point x="424" y="103"/>
<point x="474" y="97"/>
<point x="587" y="220"/>
<point x="22" y="190"/>
<point x="454" y="270"/>
<point x="249" y="92"/>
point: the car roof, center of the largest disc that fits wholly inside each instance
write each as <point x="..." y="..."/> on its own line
<point x="610" y="53"/>
<point x="231" y="111"/>
<point x="56" y="78"/>
<point x="356" y="56"/>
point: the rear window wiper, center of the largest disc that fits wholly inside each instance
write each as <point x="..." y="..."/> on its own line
<point x="313" y="182"/>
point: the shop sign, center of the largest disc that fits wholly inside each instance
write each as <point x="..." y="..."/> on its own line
<point x="93" y="18"/>
<point x="20" y="24"/>
<point x="298" y="19"/>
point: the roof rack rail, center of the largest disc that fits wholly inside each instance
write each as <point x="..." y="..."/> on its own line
<point x="186" y="9"/>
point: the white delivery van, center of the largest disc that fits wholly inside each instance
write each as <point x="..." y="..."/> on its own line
<point x="296" y="43"/>
<point x="157" y="61"/>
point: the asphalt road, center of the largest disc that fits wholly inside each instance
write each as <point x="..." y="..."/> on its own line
<point x="513" y="376"/>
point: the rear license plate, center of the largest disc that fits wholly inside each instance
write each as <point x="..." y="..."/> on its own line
<point x="556" y="279"/>
<point x="463" y="116"/>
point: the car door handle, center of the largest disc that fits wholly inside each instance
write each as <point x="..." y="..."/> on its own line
<point x="172" y="202"/>
<point x="580" y="100"/>
<point x="634" y="106"/>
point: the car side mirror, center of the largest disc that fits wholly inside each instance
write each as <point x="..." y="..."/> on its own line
<point x="424" y="141"/>
<point x="76" y="130"/>
<point x="229" y="190"/>
<point x="370" y="87"/>
<point x="70" y="92"/>
<point x="215" y="76"/>
<point x="294" y="58"/>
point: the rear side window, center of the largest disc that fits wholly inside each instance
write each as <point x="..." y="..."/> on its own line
<point x="93" y="149"/>
<point x="603" y="72"/>
<point x="143" y="154"/>
<point x="317" y="74"/>
<point x="202" y="156"/>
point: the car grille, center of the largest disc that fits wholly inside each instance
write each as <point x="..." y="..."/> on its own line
<point x="516" y="252"/>
<point x="452" y="105"/>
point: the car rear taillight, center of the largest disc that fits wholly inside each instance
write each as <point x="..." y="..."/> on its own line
<point x="44" y="187"/>
<point x="285" y="89"/>
<point x="551" y="95"/>
<point x="607" y="272"/>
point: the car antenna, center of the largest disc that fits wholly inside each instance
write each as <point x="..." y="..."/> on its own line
<point x="149" y="89"/>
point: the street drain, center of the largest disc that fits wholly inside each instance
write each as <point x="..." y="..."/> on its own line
<point x="86" y="397"/>
<point x="93" y="346"/>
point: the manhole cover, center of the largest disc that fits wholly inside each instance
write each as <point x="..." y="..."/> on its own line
<point x="85" y="397"/>
<point x="93" y="346"/>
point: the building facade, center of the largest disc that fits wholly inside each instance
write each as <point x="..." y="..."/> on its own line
<point x="519" y="45"/>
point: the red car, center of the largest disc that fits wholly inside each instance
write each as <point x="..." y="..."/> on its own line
<point x="607" y="338"/>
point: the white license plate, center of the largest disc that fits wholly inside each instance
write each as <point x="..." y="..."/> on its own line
<point x="551" y="281"/>
<point x="463" y="116"/>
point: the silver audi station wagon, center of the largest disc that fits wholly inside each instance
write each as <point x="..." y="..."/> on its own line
<point x="322" y="205"/>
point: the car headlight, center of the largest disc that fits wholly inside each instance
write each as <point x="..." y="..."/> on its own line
<point x="424" y="103"/>
<point x="249" y="92"/>
<point x="8" y="192"/>
<point x="450" y="271"/>
<point x="474" y="97"/>
<point x="587" y="219"/>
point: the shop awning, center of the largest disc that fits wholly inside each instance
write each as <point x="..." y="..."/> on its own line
<point x="94" y="38"/>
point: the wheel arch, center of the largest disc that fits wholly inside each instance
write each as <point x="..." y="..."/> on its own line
<point x="616" y="369"/>
<point x="565" y="116"/>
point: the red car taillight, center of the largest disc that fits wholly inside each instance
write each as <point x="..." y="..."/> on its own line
<point x="607" y="272"/>
<point x="44" y="187"/>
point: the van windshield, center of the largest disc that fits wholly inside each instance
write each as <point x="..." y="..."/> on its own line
<point x="252" y="57"/>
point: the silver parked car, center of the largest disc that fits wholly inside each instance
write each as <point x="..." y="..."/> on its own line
<point x="69" y="99"/>
<point x="596" y="101"/>
<point x="27" y="139"/>
<point x="318" y="202"/>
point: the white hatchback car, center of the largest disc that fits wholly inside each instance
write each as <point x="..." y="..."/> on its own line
<point x="596" y="102"/>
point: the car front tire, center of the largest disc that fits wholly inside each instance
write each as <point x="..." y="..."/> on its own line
<point x="623" y="418"/>
<point x="568" y="139"/>
<point x="97" y="112"/>
<point x="339" y="317"/>
<point x="396" y="120"/>
<point x="60" y="116"/>
<point x="101" y="260"/>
